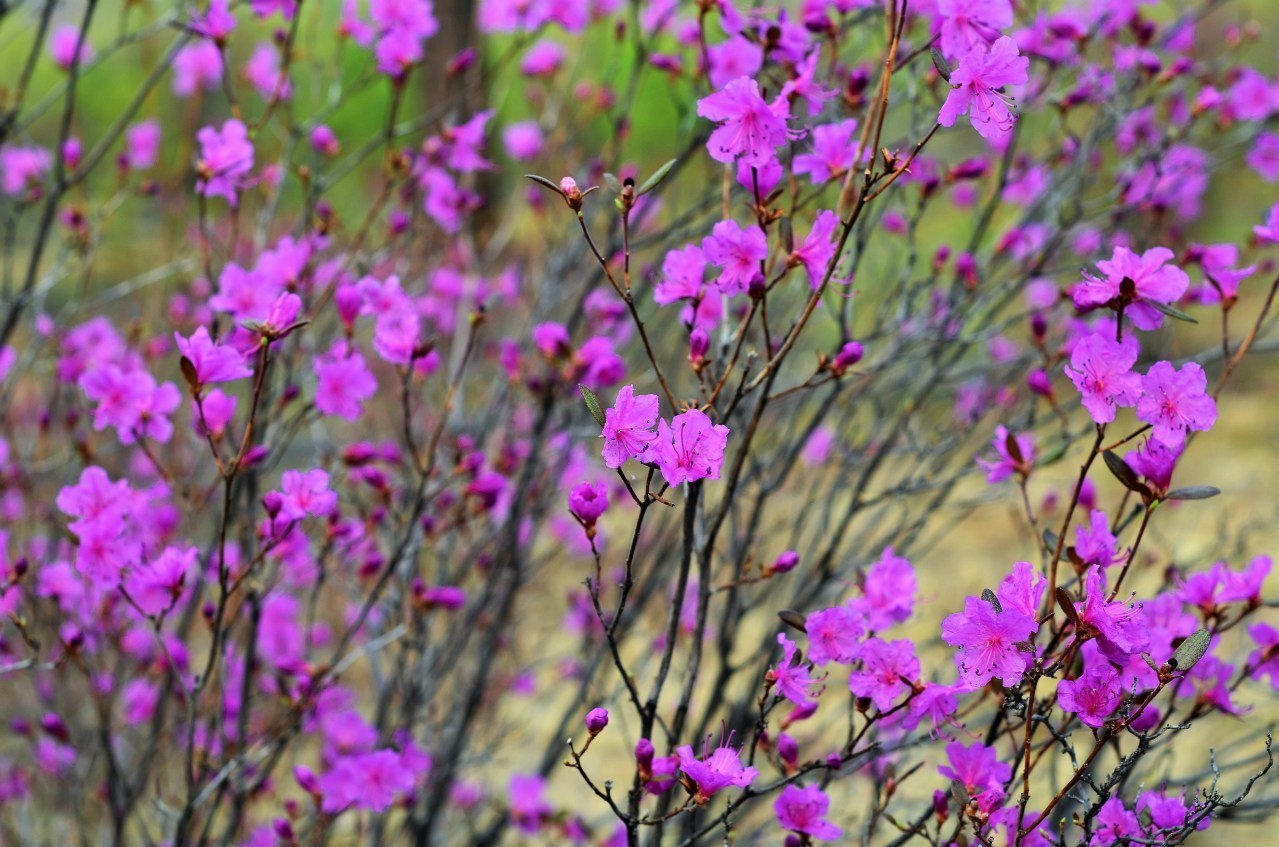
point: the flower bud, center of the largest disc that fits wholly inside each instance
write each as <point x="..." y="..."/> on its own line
<point x="572" y="194"/>
<point x="596" y="720"/>
<point x="785" y="563"/>
<point x="1040" y="383"/>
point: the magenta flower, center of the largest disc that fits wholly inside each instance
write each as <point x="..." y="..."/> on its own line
<point x="213" y="362"/>
<point x="1115" y="824"/>
<point x="1022" y="590"/>
<point x="1101" y="369"/>
<point x="791" y="678"/>
<point x="1093" y="696"/>
<point x="987" y="640"/>
<point x="966" y="24"/>
<point x="197" y="66"/>
<point x="715" y="771"/>
<point x="142" y="144"/>
<point x="596" y="720"/>
<point x="342" y="382"/>
<point x="832" y="155"/>
<point x="749" y="128"/>
<point x="888" y="592"/>
<point x="1095" y="544"/>
<point x="818" y="249"/>
<point x="365" y="781"/>
<point x="975" y="88"/>
<point x="1269" y="231"/>
<point x="979" y="769"/>
<point x="306" y="493"/>
<point x="131" y="402"/>
<point x="888" y="671"/>
<point x="739" y="252"/>
<point x="1264" y="661"/>
<point x="588" y="500"/>
<point x="67" y="48"/>
<point x="156" y="586"/>
<point x="1119" y="629"/>
<point x="628" y="426"/>
<point x="689" y="448"/>
<point x="226" y="158"/>
<point x="1005" y="464"/>
<point x="682" y="274"/>
<point x="22" y="168"/>
<point x="736" y="57"/>
<point x="1132" y="282"/>
<point x="527" y="801"/>
<point x="1176" y="401"/>
<point x="803" y="810"/>
<point x="834" y="635"/>
<point x="1154" y="462"/>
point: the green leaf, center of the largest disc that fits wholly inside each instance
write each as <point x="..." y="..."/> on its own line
<point x="1193" y="492"/>
<point x="543" y="181"/>
<point x="1124" y="473"/>
<point x="1192" y="650"/>
<point x="612" y="183"/>
<point x="656" y="179"/>
<point x="592" y="405"/>
<point x="1171" y="312"/>
<point x="940" y="63"/>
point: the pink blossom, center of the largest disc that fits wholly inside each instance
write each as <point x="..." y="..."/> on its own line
<point x="739" y="253"/>
<point x="818" y="248"/>
<point x="306" y="493"/>
<point x="628" y="426"/>
<point x="366" y="781"/>
<point x="976" y="84"/>
<point x="834" y="635"/>
<point x="342" y="382"/>
<point x="1093" y="696"/>
<point x="791" y="678"/>
<point x="987" y="639"/>
<point x="1131" y="282"/>
<point x="1005" y="464"/>
<point x="887" y="671"/>
<point x="1176" y="401"/>
<point x="689" y="448"/>
<point x="966" y="24"/>
<point x="226" y="158"/>
<point x="22" y="168"/>
<point x="749" y="128"/>
<point x="832" y="155"/>
<point x="67" y="48"/>
<point x="714" y="771"/>
<point x="213" y="362"/>
<point x="1102" y="371"/>
<point x="980" y="770"/>
<point x="197" y="66"/>
<point x="682" y="275"/>
<point x="1118" y="628"/>
<point x="734" y="58"/>
<point x="804" y="810"/>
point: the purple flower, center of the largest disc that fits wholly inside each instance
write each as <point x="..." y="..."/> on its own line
<point x="1022" y="590"/>
<point x="1269" y="231"/>
<point x="716" y="770"/>
<point x="791" y="678"/>
<point x="1094" y="542"/>
<point x="628" y="426"/>
<point x="306" y="493"/>
<point x="342" y="382"/>
<point x="226" y="157"/>
<point x="596" y="720"/>
<point x="818" y="249"/>
<point x="966" y="24"/>
<point x="689" y="448"/>
<point x="1131" y="283"/>
<point x="588" y="500"/>
<point x="834" y="635"/>
<point x="1005" y="463"/>
<point x="528" y="806"/>
<point x="736" y="57"/>
<point x="979" y="769"/>
<point x="1154" y="462"/>
<point x="213" y="362"/>
<point x="368" y="781"/>
<point x="1114" y="824"/>
<point x="1093" y="696"/>
<point x="832" y="155"/>
<point x="987" y="640"/>
<point x="888" y="592"/>
<point x="1175" y="401"/>
<point x="739" y="252"/>
<point x="888" y="671"/>
<point x="682" y="273"/>
<point x="975" y="88"/>
<point x="1264" y="661"/>
<point x="1118" y="628"/>
<point x="67" y="48"/>
<point x="749" y="128"/>
<point x="803" y="810"/>
<point x="1102" y="371"/>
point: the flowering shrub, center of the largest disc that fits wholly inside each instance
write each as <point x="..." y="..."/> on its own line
<point x="348" y="472"/>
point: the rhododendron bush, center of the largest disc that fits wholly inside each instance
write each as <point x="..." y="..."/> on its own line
<point x="557" y="422"/>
